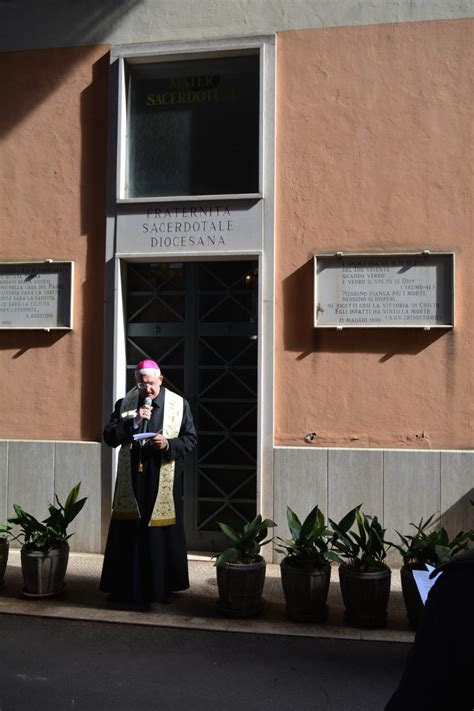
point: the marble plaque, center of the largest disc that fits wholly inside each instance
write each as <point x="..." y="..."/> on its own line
<point x="189" y="228"/>
<point x="36" y="295"/>
<point x="394" y="290"/>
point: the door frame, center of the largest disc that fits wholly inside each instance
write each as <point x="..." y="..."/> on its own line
<point x="265" y="365"/>
<point x="114" y="365"/>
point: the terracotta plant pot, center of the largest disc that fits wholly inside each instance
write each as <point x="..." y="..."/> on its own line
<point x="365" y="596"/>
<point x="306" y="590"/>
<point x="240" y="588"/>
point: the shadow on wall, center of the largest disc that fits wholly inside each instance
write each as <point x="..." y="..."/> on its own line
<point x="459" y="516"/>
<point x="21" y="341"/>
<point x="94" y="129"/>
<point x="60" y="23"/>
<point x="300" y="335"/>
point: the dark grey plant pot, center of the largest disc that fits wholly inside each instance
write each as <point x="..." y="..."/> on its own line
<point x="240" y="588"/>
<point x="365" y="596"/>
<point x="44" y="572"/>
<point x="306" y="591"/>
<point x="411" y="597"/>
<point x="4" y="547"/>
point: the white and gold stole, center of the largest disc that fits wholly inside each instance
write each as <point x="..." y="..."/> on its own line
<point x="125" y="505"/>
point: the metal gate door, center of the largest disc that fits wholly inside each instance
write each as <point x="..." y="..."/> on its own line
<point x="198" y="320"/>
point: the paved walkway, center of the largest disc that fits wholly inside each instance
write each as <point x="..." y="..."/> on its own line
<point x="195" y="608"/>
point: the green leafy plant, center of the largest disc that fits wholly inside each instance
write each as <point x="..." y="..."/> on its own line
<point x="52" y="531"/>
<point x="247" y="542"/>
<point x="308" y="545"/>
<point x="433" y="547"/>
<point x="363" y="549"/>
<point x="4" y="530"/>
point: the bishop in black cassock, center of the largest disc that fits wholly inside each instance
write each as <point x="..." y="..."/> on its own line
<point x="145" y="557"/>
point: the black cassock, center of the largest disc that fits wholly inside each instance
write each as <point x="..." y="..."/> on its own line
<point x="146" y="563"/>
<point x="438" y="673"/>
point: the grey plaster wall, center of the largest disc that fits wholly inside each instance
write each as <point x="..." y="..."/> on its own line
<point x="29" y="24"/>
<point x="31" y="472"/>
<point x="399" y="486"/>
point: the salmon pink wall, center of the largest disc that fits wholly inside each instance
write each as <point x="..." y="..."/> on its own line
<point x="374" y="153"/>
<point x="52" y="194"/>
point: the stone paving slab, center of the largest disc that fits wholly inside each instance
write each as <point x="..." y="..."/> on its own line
<point x="195" y="608"/>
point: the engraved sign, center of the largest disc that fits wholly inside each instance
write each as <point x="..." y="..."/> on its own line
<point x="36" y="295"/>
<point x="190" y="228"/>
<point x="395" y="290"/>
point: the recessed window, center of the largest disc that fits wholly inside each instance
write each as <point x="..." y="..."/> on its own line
<point x="193" y="127"/>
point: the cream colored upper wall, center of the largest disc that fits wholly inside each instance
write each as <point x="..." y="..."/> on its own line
<point x="60" y="23"/>
<point x="52" y="195"/>
<point x="374" y="153"/>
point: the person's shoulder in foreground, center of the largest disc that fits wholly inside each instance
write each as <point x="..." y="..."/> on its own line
<point x="439" y="667"/>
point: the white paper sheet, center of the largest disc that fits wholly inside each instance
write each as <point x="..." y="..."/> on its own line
<point x="143" y="435"/>
<point x="423" y="581"/>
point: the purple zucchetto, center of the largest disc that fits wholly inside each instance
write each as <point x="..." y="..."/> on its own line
<point x="147" y="367"/>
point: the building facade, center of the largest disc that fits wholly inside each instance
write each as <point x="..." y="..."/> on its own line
<point x="190" y="159"/>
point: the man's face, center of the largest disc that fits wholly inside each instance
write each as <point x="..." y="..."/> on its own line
<point x="149" y="385"/>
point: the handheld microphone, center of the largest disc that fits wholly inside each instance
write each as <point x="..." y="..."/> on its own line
<point x="146" y="402"/>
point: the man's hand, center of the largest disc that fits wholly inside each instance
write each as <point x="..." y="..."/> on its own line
<point x="144" y="413"/>
<point x="160" y="442"/>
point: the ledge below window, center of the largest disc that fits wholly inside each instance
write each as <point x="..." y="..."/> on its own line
<point x="192" y="198"/>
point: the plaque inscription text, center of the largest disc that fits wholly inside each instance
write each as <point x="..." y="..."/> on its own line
<point x="35" y="295"/>
<point x="384" y="290"/>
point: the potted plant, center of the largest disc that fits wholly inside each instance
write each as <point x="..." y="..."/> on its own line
<point x="425" y="547"/>
<point x="363" y="576"/>
<point x="241" y="569"/>
<point x="4" y="547"/>
<point x="305" y="570"/>
<point x="45" y="549"/>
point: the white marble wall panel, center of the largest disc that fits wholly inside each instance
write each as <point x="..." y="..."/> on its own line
<point x="411" y="486"/>
<point x="457" y="489"/>
<point x="30" y="473"/>
<point x="411" y="491"/>
<point x="80" y="462"/>
<point x="399" y="486"/>
<point x="30" y="476"/>
<point x="3" y="481"/>
<point x="355" y="476"/>
<point x="300" y="481"/>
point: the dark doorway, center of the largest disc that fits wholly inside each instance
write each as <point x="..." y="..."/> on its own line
<point x="198" y="320"/>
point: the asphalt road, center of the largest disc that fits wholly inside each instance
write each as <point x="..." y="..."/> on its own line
<point x="62" y="665"/>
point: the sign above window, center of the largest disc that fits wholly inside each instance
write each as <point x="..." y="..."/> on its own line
<point x="410" y="290"/>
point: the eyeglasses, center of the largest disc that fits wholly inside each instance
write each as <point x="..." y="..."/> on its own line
<point x="144" y="386"/>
